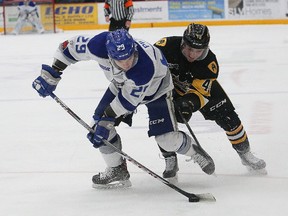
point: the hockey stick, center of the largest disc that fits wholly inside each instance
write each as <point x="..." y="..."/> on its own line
<point x="189" y="128"/>
<point x="193" y="135"/>
<point x="191" y="196"/>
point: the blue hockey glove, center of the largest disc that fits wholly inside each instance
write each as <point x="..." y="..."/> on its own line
<point x="46" y="83"/>
<point x="102" y="131"/>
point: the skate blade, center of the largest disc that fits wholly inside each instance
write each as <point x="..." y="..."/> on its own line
<point x="113" y="185"/>
<point x="257" y="171"/>
<point x="173" y="180"/>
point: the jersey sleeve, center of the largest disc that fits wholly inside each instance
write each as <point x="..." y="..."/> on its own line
<point x="146" y="81"/>
<point x="201" y="86"/>
<point x="161" y="44"/>
<point x="129" y="5"/>
<point x="107" y="10"/>
<point x="132" y="93"/>
<point x="82" y="48"/>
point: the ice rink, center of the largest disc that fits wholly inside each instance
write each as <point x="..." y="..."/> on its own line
<point x="46" y="162"/>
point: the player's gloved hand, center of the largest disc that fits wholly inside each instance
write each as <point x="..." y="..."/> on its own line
<point x="46" y="83"/>
<point x="102" y="131"/>
<point x="126" y="118"/>
<point x="185" y="107"/>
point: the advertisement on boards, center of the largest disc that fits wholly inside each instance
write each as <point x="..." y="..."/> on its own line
<point x="257" y="9"/>
<point x="75" y="14"/>
<point x="196" y="9"/>
<point x="145" y="12"/>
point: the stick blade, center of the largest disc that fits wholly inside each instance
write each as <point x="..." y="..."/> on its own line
<point x="206" y="197"/>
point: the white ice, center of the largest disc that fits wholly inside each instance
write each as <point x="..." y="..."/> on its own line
<point x="46" y="162"/>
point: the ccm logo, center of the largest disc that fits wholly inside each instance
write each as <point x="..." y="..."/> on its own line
<point x="157" y="121"/>
<point x="218" y="105"/>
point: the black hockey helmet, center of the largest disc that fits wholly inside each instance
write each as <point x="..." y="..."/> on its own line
<point x="196" y="36"/>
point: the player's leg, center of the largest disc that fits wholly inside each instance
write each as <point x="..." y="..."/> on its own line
<point x="115" y="24"/>
<point x="163" y="125"/>
<point x="116" y="174"/>
<point x="171" y="165"/>
<point x="221" y="110"/>
<point x="19" y="24"/>
<point x="35" y="21"/>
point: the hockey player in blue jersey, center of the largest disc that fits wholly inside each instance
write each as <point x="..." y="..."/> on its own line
<point x="139" y="74"/>
<point x="28" y="13"/>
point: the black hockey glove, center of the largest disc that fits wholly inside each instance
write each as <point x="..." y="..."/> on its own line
<point x="127" y="118"/>
<point x="185" y="107"/>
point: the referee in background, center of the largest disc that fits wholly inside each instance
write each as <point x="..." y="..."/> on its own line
<point x="119" y="13"/>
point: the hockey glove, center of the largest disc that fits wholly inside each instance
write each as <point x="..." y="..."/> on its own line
<point x="46" y="83"/>
<point x="126" y="118"/>
<point x="185" y="107"/>
<point x="102" y="131"/>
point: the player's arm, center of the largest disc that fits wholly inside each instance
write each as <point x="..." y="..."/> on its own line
<point x="141" y="81"/>
<point x="201" y="87"/>
<point x="128" y="98"/>
<point x="107" y="11"/>
<point x="130" y="7"/>
<point x="109" y="112"/>
<point x="112" y="108"/>
<point x="197" y="96"/>
<point x="71" y="51"/>
<point x="193" y="100"/>
<point x="200" y="91"/>
<point x="68" y="52"/>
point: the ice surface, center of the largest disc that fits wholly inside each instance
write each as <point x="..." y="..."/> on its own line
<point x="46" y="162"/>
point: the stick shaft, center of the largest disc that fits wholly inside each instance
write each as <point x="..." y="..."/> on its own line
<point x="73" y="114"/>
<point x="189" y="128"/>
<point x="191" y="196"/>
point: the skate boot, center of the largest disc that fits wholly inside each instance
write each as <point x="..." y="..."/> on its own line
<point x="252" y="162"/>
<point x="203" y="160"/>
<point x="171" y="169"/>
<point x="113" y="177"/>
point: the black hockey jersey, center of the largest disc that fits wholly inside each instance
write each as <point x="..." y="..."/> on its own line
<point x="195" y="77"/>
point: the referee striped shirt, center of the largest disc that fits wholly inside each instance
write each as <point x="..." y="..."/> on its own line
<point x="119" y="9"/>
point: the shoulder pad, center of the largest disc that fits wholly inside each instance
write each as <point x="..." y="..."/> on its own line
<point x="212" y="66"/>
<point x="162" y="42"/>
<point x="97" y="46"/>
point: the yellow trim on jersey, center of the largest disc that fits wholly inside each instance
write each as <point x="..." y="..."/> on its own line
<point x="203" y="86"/>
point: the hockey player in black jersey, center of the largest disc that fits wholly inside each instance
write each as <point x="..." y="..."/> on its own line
<point x="195" y="69"/>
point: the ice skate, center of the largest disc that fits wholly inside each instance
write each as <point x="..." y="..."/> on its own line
<point x="171" y="169"/>
<point x="41" y="31"/>
<point x="14" y="32"/>
<point x="203" y="160"/>
<point x="253" y="164"/>
<point x="113" y="177"/>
